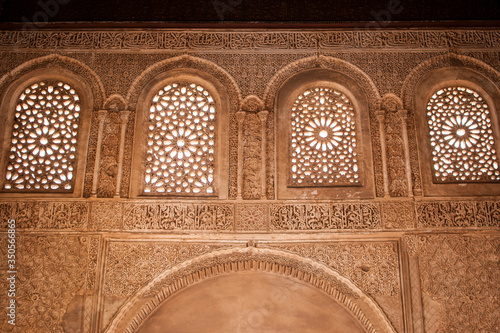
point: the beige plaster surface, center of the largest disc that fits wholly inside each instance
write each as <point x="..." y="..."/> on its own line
<point x="251" y="302"/>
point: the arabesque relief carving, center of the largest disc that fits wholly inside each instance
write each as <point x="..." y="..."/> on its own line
<point x="130" y="266"/>
<point x="48" y="214"/>
<point x="215" y="217"/>
<point x="376" y="267"/>
<point x="420" y="261"/>
<point x="324" y="216"/>
<point x="458" y="214"/>
<point x="459" y="277"/>
<point x="51" y="274"/>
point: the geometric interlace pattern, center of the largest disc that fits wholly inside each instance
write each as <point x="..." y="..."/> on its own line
<point x="461" y="135"/>
<point x="43" y="145"/>
<point x="323" y="147"/>
<point x="180" y="152"/>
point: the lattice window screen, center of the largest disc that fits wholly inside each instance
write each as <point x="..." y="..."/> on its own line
<point x="180" y="153"/>
<point x="323" y="146"/>
<point x="461" y="136"/>
<point x="42" y="154"/>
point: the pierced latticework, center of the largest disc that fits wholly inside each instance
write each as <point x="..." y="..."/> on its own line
<point x="323" y="148"/>
<point x="461" y="136"/>
<point x="180" y="153"/>
<point x="43" y="148"/>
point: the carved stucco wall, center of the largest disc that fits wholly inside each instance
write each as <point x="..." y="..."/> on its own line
<point x="92" y="263"/>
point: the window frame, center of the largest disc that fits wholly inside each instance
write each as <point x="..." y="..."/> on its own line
<point x="286" y="97"/>
<point x="8" y="105"/>
<point x="425" y="89"/>
<point x="221" y="158"/>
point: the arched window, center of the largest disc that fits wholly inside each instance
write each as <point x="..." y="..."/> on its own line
<point x="180" y="152"/>
<point x="323" y="149"/>
<point x="458" y="132"/>
<point x="461" y="137"/>
<point x="46" y="129"/>
<point x="181" y="149"/>
<point x="323" y="142"/>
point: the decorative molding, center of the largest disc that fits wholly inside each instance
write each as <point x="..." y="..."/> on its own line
<point x="448" y="60"/>
<point x="106" y="215"/>
<point x="335" y="64"/>
<point x="252" y="103"/>
<point x="398" y="215"/>
<point x="251" y="40"/>
<point x="103" y="214"/>
<point x="115" y="102"/>
<point x="185" y="61"/>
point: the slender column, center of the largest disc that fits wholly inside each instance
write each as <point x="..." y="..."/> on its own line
<point x="240" y="117"/>
<point x="263" y="152"/>
<point x="123" y="127"/>
<point x="381" y="125"/>
<point x="97" y="163"/>
<point x="403" y="114"/>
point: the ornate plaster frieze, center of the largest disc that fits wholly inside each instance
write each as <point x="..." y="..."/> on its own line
<point x="201" y="40"/>
<point x="446" y="214"/>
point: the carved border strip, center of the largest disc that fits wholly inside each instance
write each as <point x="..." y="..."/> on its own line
<point x="334" y="216"/>
<point x="252" y="40"/>
<point x="458" y="214"/>
<point x="69" y="215"/>
<point x="180" y="216"/>
<point x="227" y="216"/>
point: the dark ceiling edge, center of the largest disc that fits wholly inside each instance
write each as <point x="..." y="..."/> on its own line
<point x="372" y="25"/>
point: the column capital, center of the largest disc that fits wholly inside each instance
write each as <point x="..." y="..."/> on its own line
<point x="102" y="114"/>
<point x="263" y="115"/>
<point x="124" y="116"/>
<point x="380" y="114"/>
<point x="403" y="114"/>
<point x="240" y="116"/>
